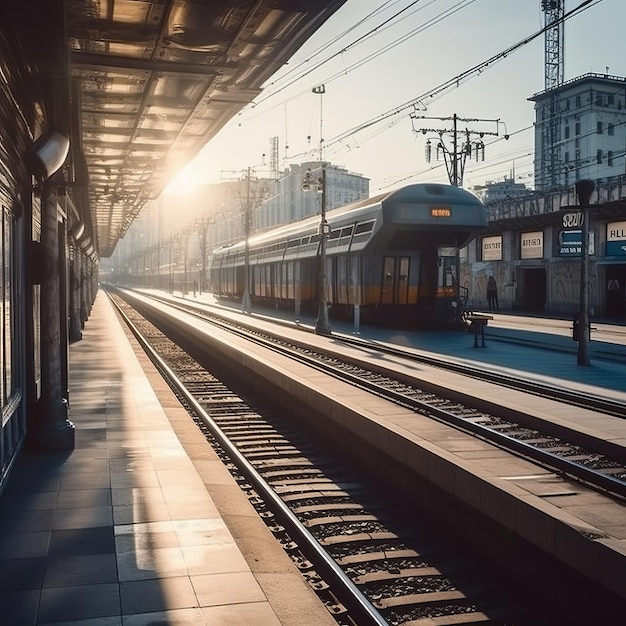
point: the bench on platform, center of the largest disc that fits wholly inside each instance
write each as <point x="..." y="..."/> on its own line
<point x="477" y="325"/>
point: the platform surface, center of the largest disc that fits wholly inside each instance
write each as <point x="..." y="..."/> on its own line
<point x="142" y="523"/>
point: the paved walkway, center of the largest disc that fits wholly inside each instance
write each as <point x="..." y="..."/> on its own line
<point x="126" y="528"/>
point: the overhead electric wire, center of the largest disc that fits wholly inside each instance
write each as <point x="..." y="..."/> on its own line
<point x="324" y="47"/>
<point x="373" y="55"/>
<point x="456" y="81"/>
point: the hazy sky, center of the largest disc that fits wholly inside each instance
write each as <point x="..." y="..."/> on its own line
<point x="428" y="45"/>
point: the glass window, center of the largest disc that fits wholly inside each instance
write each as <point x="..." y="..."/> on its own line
<point x="364" y="227"/>
<point x="6" y="323"/>
<point x="8" y="372"/>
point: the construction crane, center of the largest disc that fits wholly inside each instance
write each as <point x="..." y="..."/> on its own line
<point x="554" y="11"/>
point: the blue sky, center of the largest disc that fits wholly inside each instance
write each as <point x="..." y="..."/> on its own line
<point x="362" y="83"/>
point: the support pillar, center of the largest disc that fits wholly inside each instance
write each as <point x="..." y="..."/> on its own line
<point x="75" y="306"/>
<point x="51" y="429"/>
<point x="84" y="289"/>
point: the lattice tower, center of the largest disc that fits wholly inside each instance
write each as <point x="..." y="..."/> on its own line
<point x="554" y="11"/>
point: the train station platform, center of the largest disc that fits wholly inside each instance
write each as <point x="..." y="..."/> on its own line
<point x="556" y="518"/>
<point x="141" y="523"/>
<point x="531" y="347"/>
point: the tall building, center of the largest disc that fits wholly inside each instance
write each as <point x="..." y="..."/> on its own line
<point x="590" y="133"/>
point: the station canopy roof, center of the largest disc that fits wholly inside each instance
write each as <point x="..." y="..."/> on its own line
<point x="152" y="81"/>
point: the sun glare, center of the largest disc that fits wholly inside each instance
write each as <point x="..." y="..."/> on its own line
<point x="185" y="182"/>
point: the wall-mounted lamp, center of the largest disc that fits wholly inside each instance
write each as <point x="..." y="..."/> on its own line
<point x="47" y="154"/>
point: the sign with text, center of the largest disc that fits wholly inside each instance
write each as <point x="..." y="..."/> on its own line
<point x="570" y="243"/>
<point x="531" y="245"/>
<point x="492" y="248"/>
<point x="573" y="219"/>
<point x="616" y="239"/>
<point x="440" y="211"/>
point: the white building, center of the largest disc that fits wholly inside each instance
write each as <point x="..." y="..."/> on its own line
<point x="292" y="203"/>
<point x="501" y="190"/>
<point x="588" y="118"/>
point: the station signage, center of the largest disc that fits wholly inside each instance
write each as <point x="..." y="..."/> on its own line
<point x="616" y="239"/>
<point x="492" y="248"/>
<point x="531" y="245"/>
<point x="570" y="243"/>
<point x="573" y="219"/>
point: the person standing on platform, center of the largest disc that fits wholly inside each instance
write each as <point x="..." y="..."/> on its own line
<point x="492" y="294"/>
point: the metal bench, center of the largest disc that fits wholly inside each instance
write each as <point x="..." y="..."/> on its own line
<point x="477" y="324"/>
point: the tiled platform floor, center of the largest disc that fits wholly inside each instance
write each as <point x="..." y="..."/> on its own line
<point x="123" y="530"/>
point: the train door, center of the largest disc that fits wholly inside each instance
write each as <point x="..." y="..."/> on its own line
<point x="354" y="290"/>
<point x="342" y="279"/>
<point x="389" y="271"/>
<point x="447" y="272"/>
<point x="283" y="281"/>
<point x="395" y="284"/>
<point x="331" y="280"/>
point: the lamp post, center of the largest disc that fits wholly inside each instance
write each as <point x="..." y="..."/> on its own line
<point x="245" y="303"/>
<point x="322" y="326"/>
<point x="584" y="189"/>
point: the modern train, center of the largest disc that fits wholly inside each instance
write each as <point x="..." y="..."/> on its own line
<point x="391" y="259"/>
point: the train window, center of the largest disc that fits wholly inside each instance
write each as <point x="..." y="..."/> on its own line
<point x="334" y="234"/>
<point x="315" y="238"/>
<point x="293" y="243"/>
<point x="304" y="241"/>
<point x="346" y="232"/>
<point x="366" y="227"/>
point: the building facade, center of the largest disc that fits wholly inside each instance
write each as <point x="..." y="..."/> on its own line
<point x="170" y="243"/>
<point x="533" y="249"/>
<point x="292" y="203"/>
<point x="580" y="131"/>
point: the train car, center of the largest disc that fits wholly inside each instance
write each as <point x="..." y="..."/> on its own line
<point x="394" y="258"/>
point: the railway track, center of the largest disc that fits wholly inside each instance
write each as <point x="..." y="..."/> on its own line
<point x="545" y="390"/>
<point x="586" y="459"/>
<point x="372" y="560"/>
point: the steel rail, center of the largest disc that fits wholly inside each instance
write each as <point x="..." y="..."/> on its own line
<point x="570" y="396"/>
<point x="348" y="592"/>
<point x="577" y="471"/>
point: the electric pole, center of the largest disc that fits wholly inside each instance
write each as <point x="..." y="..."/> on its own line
<point x="466" y="142"/>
